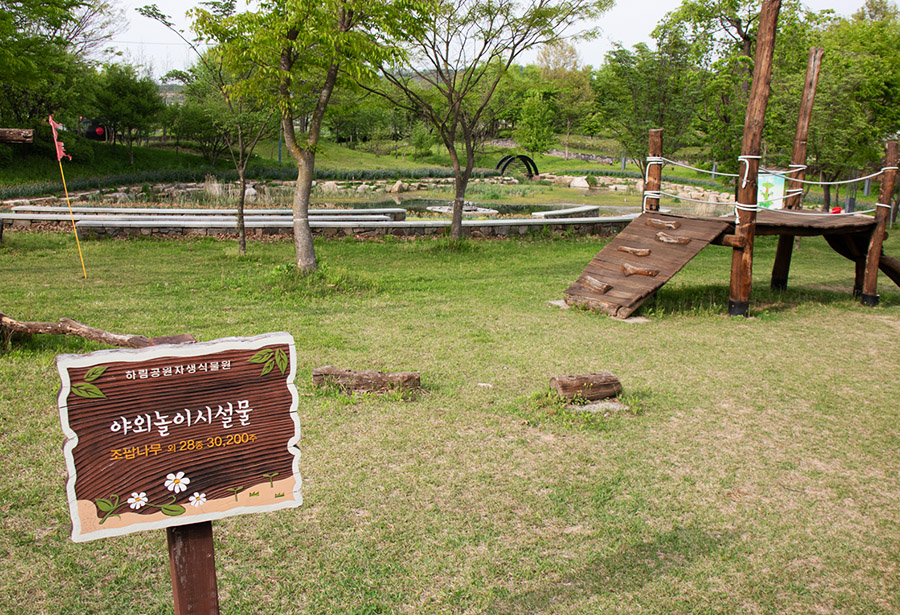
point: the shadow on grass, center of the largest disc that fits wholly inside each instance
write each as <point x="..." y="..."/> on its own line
<point x="627" y="569"/>
<point x="712" y="299"/>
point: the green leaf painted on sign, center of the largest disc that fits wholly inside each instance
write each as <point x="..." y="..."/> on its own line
<point x="262" y="356"/>
<point x="86" y="389"/>
<point x="94" y="373"/>
<point x="268" y="367"/>
<point x="281" y="359"/>
<point x="105" y="505"/>
<point x="173" y="510"/>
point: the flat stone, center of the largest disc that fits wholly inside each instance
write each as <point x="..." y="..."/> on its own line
<point x="605" y="406"/>
<point x="580" y="182"/>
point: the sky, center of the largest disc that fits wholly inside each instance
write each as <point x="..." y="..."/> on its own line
<point x="150" y="44"/>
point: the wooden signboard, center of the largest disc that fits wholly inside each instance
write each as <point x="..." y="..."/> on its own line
<point x="179" y="434"/>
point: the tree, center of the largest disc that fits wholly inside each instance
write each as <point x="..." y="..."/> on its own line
<point x="43" y="63"/>
<point x="534" y="131"/>
<point x="196" y="122"/>
<point x="721" y="38"/>
<point x="457" y="61"/>
<point x="220" y="111"/>
<point x="301" y="49"/>
<point x="571" y="82"/>
<point x="128" y="103"/>
<point x="643" y="89"/>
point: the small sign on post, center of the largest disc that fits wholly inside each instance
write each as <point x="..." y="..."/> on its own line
<point x="173" y="435"/>
<point x="770" y="191"/>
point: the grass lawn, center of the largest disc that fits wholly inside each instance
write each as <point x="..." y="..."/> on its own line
<point x="756" y="471"/>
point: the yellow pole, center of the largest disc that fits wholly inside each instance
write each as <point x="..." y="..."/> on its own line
<point x="72" y="217"/>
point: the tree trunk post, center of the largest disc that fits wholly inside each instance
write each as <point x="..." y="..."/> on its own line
<point x="303" y="241"/>
<point x="654" y="170"/>
<point x="192" y="563"/>
<point x="746" y="204"/>
<point x="242" y="231"/>
<point x="882" y="211"/>
<point x="781" y="267"/>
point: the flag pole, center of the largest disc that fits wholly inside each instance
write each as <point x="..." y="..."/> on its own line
<point x="72" y="217"/>
<point x="60" y="152"/>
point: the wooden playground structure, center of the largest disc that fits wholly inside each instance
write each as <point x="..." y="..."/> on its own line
<point x="655" y="246"/>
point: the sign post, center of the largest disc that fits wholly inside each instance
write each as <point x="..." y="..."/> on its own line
<point x="177" y="436"/>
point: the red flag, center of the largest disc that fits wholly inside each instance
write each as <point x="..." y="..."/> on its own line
<point x="60" y="152"/>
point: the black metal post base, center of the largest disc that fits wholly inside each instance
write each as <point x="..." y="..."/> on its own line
<point x="739" y="308"/>
<point x="869" y="300"/>
<point x="779" y="284"/>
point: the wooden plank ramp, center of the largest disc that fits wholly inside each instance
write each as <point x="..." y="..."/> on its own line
<point x="640" y="259"/>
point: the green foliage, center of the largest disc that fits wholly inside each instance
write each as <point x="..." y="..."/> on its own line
<point x="128" y="103"/>
<point x="534" y="131"/>
<point x="643" y="89"/>
<point x="421" y="138"/>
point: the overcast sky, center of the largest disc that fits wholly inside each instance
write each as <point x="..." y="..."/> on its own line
<point x="148" y="43"/>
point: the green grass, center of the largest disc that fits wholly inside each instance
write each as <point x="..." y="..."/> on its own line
<point x="756" y="471"/>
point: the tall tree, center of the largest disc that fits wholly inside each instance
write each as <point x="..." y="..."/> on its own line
<point x="128" y="103"/>
<point x="534" y="130"/>
<point x="457" y="61"/>
<point x="241" y="116"/>
<point x="301" y="50"/>
<point x="643" y="89"/>
<point x="561" y="67"/>
<point x="44" y="63"/>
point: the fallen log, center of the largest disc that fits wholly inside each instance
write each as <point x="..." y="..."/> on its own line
<point x="67" y="326"/>
<point x="16" y="135"/>
<point x="591" y="387"/>
<point x="364" y="381"/>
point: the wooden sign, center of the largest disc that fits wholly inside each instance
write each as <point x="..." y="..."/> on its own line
<point x="179" y="434"/>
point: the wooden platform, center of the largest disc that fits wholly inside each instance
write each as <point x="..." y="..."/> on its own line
<point x="643" y="257"/>
<point x="656" y="246"/>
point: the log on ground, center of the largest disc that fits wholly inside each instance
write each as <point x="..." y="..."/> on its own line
<point x="593" y="386"/>
<point x="368" y="380"/>
<point x="66" y="326"/>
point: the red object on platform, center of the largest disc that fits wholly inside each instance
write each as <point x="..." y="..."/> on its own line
<point x="836" y="210"/>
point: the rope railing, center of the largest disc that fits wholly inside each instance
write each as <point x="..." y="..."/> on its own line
<point x="745" y="160"/>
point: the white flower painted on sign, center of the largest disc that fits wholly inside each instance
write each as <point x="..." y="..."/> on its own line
<point x="177" y="482"/>
<point x="138" y="500"/>
<point x="198" y="499"/>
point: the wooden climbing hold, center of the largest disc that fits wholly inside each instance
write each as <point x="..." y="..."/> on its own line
<point x="669" y="224"/>
<point x="634" y="251"/>
<point x="595" y="284"/>
<point x="632" y="270"/>
<point x="666" y="238"/>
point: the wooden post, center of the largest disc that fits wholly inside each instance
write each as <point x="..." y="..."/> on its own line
<point x="745" y="228"/>
<point x="782" y="265"/>
<point x="654" y="171"/>
<point x="882" y="211"/>
<point x="192" y="562"/>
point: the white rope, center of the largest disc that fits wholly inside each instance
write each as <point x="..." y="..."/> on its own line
<point x="877" y="205"/>
<point x="707" y="171"/>
<point x="845" y="181"/>
<point x="649" y="194"/>
<point x="794" y="168"/>
<point x="746" y="160"/>
<point x="651" y="160"/>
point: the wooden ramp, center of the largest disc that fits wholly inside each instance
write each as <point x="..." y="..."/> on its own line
<point x="641" y="258"/>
